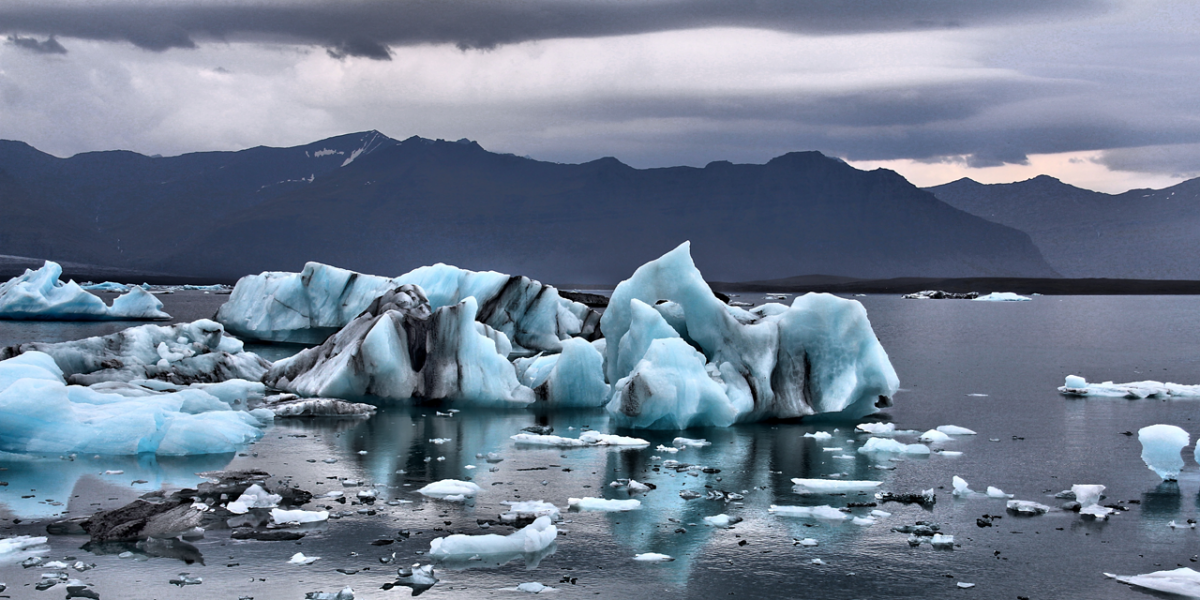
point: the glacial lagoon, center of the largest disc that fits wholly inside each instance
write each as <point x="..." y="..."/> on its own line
<point x="991" y="367"/>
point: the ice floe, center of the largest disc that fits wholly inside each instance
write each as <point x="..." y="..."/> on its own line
<point x="877" y="444"/>
<point x="1137" y="390"/>
<point x="833" y="486"/>
<point x="602" y="505"/>
<point x="39" y="412"/>
<point x="1161" y="447"/>
<point x="529" y="542"/>
<point x="309" y="306"/>
<point x="1182" y="581"/>
<point x="298" y="516"/>
<point x="450" y="489"/>
<point x="397" y="348"/>
<point x="824" y="512"/>
<point x="817" y="356"/>
<point x="40" y="295"/>
<point x="1001" y="297"/>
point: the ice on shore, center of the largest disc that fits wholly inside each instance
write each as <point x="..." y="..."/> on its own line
<point x="824" y="512"/>
<point x="181" y="354"/>
<point x="41" y="295"/>
<point x="309" y="306"/>
<point x="398" y="348"/>
<point x="602" y="505"/>
<point x="1136" y="390"/>
<point x="39" y="412"/>
<point x="833" y="486"/>
<point x="573" y="377"/>
<point x="1182" y="581"/>
<point x="1161" y="447"/>
<point x="528" y="541"/>
<point x="1001" y="297"/>
<point x="698" y="361"/>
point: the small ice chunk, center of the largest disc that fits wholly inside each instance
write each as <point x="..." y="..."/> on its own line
<point x="534" y="587"/>
<point x="876" y="428"/>
<point x="960" y="487"/>
<point x="882" y="514"/>
<point x="667" y="449"/>
<point x="877" y="444"/>
<point x="1087" y="495"/>
<point x="529" y="509"/>
<point x="964" y="585"/>
<point x="820" y="435"/>
<point x="1182" y="581"/>
<point x="602" y="504"/>
<point x="1075" y="382"/>
<point x="300" y="559"/>
<point x="346" y="594"/>
<point x="954" y="430"/>
<point x="995" y="492"/>
<point x="1026" y="507"/>
<point x="682" y="442"/>
<point x="447" y="488"/>
<point x="1002" y="297"/>
<point x="636" y="487"/>
<point x="863" y="521"/>
<point x="439" y="441"/>
<point x="722" y="520"/>
<point x="531" y="539"/>
<point x="253" y="497"/>
<point x="653" y="557"/>
<point x="1161" y="445"/>
<point x="816" y="561"/>
<point x="806" y="542"/>
<point x="943" y="542"/>
<point x="933" y="436"/>
<point x="824" y="512"/>
<point x="280" y="516"/>
<point x="833" y="486"/>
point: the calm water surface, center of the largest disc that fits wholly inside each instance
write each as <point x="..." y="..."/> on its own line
<point x="991" y="367"/>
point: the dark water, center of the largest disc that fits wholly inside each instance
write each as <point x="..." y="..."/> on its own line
<point x="944" y="351"/>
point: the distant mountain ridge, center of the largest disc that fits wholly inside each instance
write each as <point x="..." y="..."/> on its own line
<point x="371" y="203"/>
<point x="1140" y="234"/>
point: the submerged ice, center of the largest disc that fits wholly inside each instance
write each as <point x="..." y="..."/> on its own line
<point x="679" y="357"/>
<point x="41" y="295"/>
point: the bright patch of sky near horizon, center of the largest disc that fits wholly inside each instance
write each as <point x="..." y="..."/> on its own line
<point x="1102" y="99"/>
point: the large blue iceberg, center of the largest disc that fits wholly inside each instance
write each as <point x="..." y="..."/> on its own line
<point x="310" y="306"/>
<point x="40" y="413"/>
<point x="41" y="295"/>
<point x="681" y="358"/>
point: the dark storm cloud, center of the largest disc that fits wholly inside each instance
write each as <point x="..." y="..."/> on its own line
<point x="365" y="28"/>
<point x="50" y="46"/>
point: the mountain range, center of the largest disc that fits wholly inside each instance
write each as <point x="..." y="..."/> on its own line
<point x="367" y="202"/>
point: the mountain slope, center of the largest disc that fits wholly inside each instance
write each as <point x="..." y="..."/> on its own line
<point x="1150" y="234"/>
<point x="398" y="205"/>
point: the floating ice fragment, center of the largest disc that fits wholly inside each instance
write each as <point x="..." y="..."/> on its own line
<point x="833" y="486"/>
<point x="602" y="505"/>
<point x="41" y="295"/>
<point x="961" y="488"/>
<point x="1137" y="390"/>
<point x="933" y="436"/>
<point x="954" y="430"/>
<point x="281" y="517"/>
<point x="529" y="510"/>
<point x="1026" y="507"/>
<point x="964" y="585"/>
<point x="1161" y="445"/>
<point x="722" y="520"/>
<point x="253" y="497"/>
<point x="439" y="441"/>
<point x="882" y="514"/>
<point x="1001" y="297"/>
<point x="653" y="557"/>
<point x="1182" y="581"/>
<point x="534" y="587"/>
<point x="820" y="435"/>
<point x="667" y="449"/>
<point x="635" y="487"/>
<point x="446" y="488"/>
<point x="863" y="521"/>
<point x="824" y="512"/>
<point x="300" y="559"/>
<point x="942" y="542"/>
<point x="587" y="438"/>
<point x="682" y="442"/>
<point x="1174" y="525"/>
<point x="805" y="542"/>
<point x="876" y="444"/>
<point x="876" y="428"/>
<point x="816" y="561"/>
<point x="346" y="594"/>
<point x="995" y="492"/>
<point x="529" y="540"/>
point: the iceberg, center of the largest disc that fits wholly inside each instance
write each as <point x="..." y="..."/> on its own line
<point x="700" y="362"/>
<point x="1161" y="445"/>
<point x="1182" y="581"/>
<point x="399" y="349"/>
<point x="1001" y="297"/>
<point x="573" y="377"/>
<point x="833" y="486"/>
<point x="309" y="306"/>
<point x="529" y="542"/>
<point x="1137" y="390"/>
<point x="40" y="413"/>
<point x="41" y="295"/>
<point x="181" y="354"/>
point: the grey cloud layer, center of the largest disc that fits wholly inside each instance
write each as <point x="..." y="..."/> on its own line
<point x="367" y="28"/>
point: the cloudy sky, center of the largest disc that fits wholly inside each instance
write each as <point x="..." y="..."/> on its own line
<point x="1100" y="93"/>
